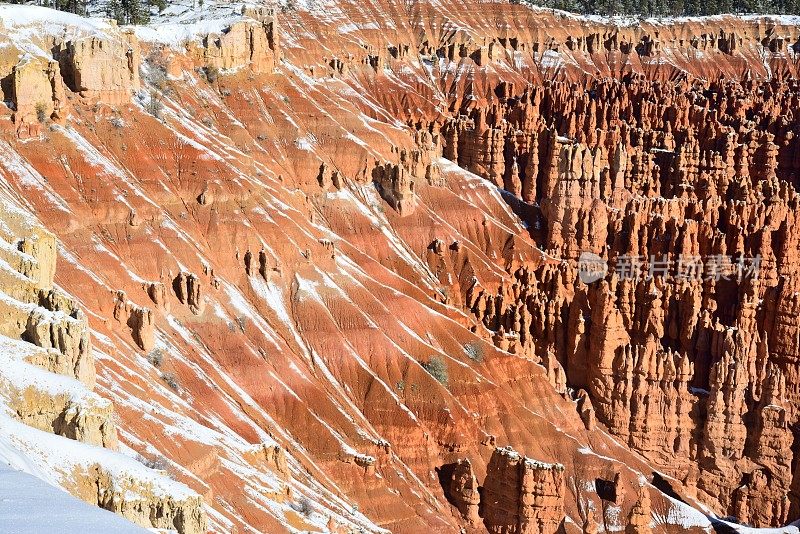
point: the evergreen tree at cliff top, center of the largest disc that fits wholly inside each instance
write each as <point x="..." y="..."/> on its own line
<point x="123" y="11"/>
<point x="138" y="11"/>
<point x="660" y="8"/>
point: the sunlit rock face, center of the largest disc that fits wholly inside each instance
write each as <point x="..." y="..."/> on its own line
<point x="319" y="265"/>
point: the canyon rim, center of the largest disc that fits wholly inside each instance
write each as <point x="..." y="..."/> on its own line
<point x="398" y="266"/>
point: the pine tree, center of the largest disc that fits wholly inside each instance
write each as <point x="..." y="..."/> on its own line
<point x="661" y="8"/>
<point x="72" y="6"/>
<point x="129" y="11"/>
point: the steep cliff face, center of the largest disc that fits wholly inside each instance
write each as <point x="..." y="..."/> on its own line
<point x="252" y="44"/>
<point x="329" y="253"/>
<point x="523" y="495"/>
<point x="519" y="495"/>
<point x="37" y="93"/>
<point x="690" y="203"/>
<point x="51" y="421"/>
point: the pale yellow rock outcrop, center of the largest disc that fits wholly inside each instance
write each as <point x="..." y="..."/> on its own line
<point x="38" y="91"/>
<point x="46" y="377"/>
<point x="88" y="422"/>
<point x="252" y="42"/>
<point x="139" y="501"/>
<point x="103" y="68"/>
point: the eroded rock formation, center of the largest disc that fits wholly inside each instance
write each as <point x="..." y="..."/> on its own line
<point x="522" y="495"/>
<point x="46" y="380"/>
<point x="37" y="94"/>
<point x="518" y="495"/>
<point x="463" y="490"/>
<point x="102" y="68"/>
<point x="253" y="43"/>
<point x="691" y="208"/>
<point x="348" y="247"/>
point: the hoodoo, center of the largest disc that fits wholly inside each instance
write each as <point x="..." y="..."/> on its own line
<point x="398" y="267"/>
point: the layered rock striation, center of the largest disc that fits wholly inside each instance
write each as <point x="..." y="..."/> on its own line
<point x="692" y="207"/>
<point x="51" y="415"/>
<point x="337" y="253"/>
<point x="518" y="495"/>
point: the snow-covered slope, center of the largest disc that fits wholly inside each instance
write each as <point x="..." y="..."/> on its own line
<point x="56" y="434"/>
<point x="256" y="218"/>
<point x="28" y="505"/>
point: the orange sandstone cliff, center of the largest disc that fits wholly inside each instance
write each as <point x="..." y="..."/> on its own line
<point x="323" y="259"/>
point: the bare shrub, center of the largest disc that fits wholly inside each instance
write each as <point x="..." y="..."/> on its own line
<point x="172" y="381"/>
<point x="303" y="506"/>
<point x="474" y="351"/>
<point x="41" y="112"/>
<point x="154" y="104"/>
<point x="159" y="463"/>
<point x="437" y="368"/>
<point x="210" y="73"/>
<point x="155" y="357"/>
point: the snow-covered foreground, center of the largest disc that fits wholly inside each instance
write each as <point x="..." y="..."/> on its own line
<point x="30" y="505"/>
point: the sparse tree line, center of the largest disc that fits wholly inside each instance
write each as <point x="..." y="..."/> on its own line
<point x="138" y="11"/>
<point x="123" y="11"/>
<point x="670" y="8"/>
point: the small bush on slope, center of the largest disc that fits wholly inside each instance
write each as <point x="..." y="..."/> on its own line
<point x="437" y="368"/>
<point x="474" y="351"/>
